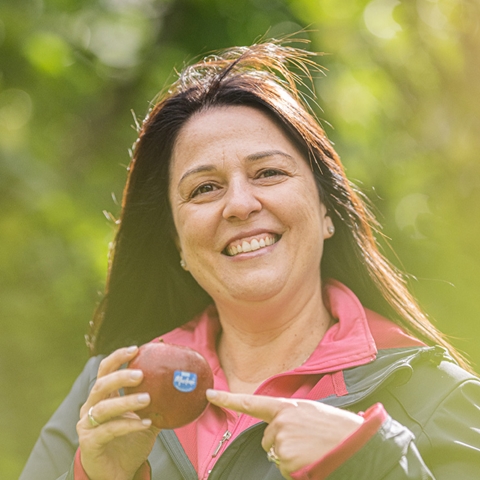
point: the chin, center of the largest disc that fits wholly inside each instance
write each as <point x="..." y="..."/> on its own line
<point x="252" y="297"/>
<point x="258" y="291"/>
<point x="247" y="286"/>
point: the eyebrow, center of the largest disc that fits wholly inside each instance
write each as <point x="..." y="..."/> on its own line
<point x="250" y="158"/>
<point x="267" y="153"/>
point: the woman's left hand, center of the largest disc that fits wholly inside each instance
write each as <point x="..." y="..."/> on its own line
<point x="300" y="431"/>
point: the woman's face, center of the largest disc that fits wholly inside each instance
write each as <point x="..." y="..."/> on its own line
<point x="246" y="208"/>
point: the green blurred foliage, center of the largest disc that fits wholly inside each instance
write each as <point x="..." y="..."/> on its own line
<point x="402" y="92"/>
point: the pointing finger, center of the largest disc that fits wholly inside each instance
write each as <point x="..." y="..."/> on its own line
<point x="259" y="406"/>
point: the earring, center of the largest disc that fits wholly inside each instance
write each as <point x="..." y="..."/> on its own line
<point x="183" y="264"/>
<point x="331" y="229"/>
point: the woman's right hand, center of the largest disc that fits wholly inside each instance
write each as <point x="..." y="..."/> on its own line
<point x="121" y="443"/>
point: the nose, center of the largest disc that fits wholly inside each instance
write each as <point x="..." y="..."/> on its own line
<point x="240" y="200"/>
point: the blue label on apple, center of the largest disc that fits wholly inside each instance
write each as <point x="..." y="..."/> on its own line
<point x="184" y="381"/>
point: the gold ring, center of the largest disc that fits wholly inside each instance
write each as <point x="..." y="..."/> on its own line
<point x="272" y="456"/>
<point x="91" y="419"/>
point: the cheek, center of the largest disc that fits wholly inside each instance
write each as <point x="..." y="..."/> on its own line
<point x="304" y="209"/>
<point x="309" y="216"/>
<point x="195" y="232"/>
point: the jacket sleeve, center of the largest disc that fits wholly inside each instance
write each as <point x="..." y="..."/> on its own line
<point x="53" y="454"/>
<point x="378" y="448"/>
<point x="450" y="440"/>
<point x="441" y="408"/>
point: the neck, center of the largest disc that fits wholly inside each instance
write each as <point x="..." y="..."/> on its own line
<point x="268" y="338"/>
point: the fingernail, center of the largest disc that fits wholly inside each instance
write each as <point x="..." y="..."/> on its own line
<point x="143" y="398"/>
<point x="147" y="422"/>
<point x="132" y="349"/>
<point x="136" y="374"/>
<point x="211" y="394"/>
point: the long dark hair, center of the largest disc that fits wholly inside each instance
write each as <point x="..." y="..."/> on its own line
<point x="147" y="292"/>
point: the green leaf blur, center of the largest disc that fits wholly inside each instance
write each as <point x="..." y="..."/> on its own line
<point x="400" y="100"/>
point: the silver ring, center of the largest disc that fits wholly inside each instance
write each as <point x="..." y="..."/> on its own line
<point x="91" y="419"/>
<point x="272" y="456"/>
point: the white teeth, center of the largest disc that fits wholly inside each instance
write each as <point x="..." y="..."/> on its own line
<point x="251" y="246"/>
<point x="246" y="247"/>
<point x="254" y="244"/>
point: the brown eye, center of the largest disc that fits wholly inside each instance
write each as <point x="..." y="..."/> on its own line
<point x="205" y="188"/>
<point x="270" y="173"/>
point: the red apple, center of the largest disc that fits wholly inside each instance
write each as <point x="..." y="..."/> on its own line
<point x="176" y="377"/>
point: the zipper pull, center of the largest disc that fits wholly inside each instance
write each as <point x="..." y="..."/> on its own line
<point x="224" y="439"/>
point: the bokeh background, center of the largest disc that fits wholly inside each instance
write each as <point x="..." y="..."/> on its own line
<point x="400" y="100"/>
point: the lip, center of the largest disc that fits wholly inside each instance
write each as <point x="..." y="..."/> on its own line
<point x="249" y="235"/>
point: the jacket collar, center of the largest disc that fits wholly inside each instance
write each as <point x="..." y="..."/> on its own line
<point x="392" y="367"/>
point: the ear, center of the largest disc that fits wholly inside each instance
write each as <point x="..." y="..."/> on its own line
<point x="183" y="263"/>
<point x="177" y="241"/>
<point x="328" y="227"/>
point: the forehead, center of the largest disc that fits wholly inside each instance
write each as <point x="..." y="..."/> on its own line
<point x="220" y="131"/>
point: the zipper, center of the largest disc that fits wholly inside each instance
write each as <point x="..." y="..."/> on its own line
<point x="225" y="438"/>
<point x="217" y="471"/>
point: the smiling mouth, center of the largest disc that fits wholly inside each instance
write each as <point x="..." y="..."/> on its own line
<point x="251" y="245"/>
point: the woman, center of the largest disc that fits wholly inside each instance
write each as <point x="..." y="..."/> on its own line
<point x="237" y="210"/>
